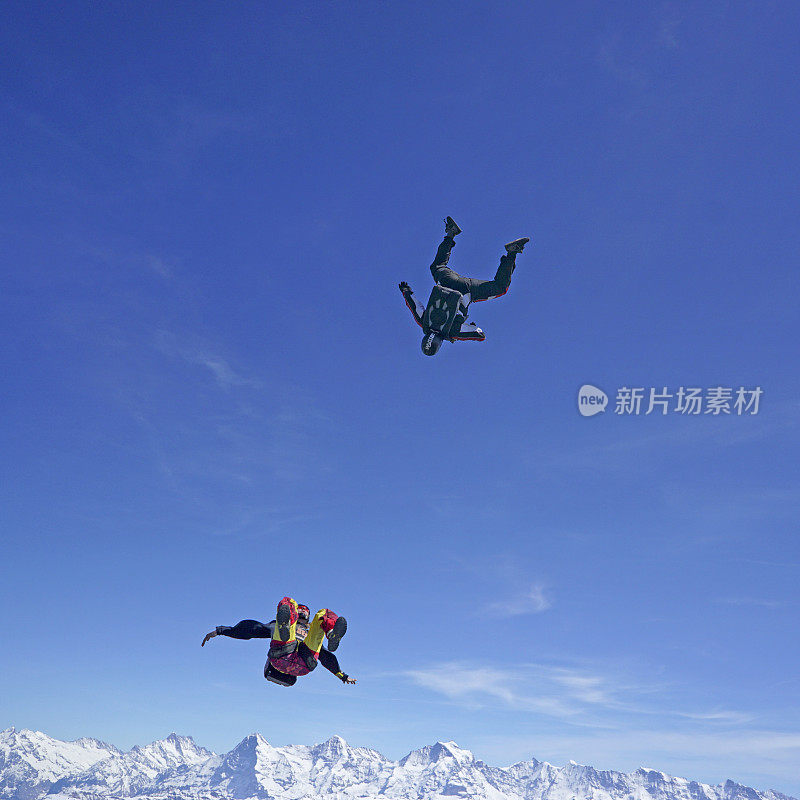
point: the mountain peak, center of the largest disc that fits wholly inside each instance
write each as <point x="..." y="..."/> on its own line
<point x="182" y="741"/>
<point x="437" y="752"/>
<point x="451" y="748"/>
<point x="333" y="747"/>
<point x="251" y="742"/>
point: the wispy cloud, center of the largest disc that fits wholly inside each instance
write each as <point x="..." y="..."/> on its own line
<point x="619" y="453"/>
<point x="255" y="522"/>
<point x="532" y="601"/>
<point x="586" y="688"/>
<point x="563" y="692"/>
<point x="223" y="373"/>
<point x="198" y="354"/>
<point x="757" y="602"/>
<point x="615" y="56"/>
<point x="766" y="563"/>
<point x="584" y="697"/>
<point x="473" y="686"/>
<point x="236" y="446"/>
<point x="669" y="23"/>
<point x="611" y="722"/>
<point x="731" y="717"/>
<point x="128" y="258"/>
<point x="630" y="57"/>
<point x="159" y="265"/>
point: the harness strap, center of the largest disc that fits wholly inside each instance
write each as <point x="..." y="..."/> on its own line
<point x="308" y="656"/>
<point x="280" y="650"/>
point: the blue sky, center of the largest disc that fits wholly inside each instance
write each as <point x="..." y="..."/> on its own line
<point x="214" y="395"/>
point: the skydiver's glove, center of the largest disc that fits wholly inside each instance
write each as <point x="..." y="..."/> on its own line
<point x="209" y="636"/>
<point x="345" y="678"/>
<point x="404" y="287"/>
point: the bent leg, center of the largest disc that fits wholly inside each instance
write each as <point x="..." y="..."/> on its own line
<point x="484" y="290"/>
<point x="301" y="658"/>
<point x="323" y="622"/>
<point x="442" y="274"/>
<point x="285" y="655"/>
<point x="277" y="639"/>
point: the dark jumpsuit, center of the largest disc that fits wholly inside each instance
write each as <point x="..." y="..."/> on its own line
<point x="477" y="290"/>
<point x="471" y="288"/>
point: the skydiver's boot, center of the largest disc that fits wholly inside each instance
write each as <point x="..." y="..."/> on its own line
<point x="325" y="623"/>
<point x="517" y="245"/>
<point x="336" y="633"/>
<point x="451" y="229"/>
<point x="285" y="620"/>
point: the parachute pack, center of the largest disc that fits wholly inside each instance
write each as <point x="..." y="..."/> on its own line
<point x="281" y="678"/>
<point x="445" y="313"/>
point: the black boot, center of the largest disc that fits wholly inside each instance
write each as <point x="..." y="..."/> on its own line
<point x="517" y="245"/>
<point x="283" y="621"/>
<point x="451" y="229"/>
<point x="335" y="634"/>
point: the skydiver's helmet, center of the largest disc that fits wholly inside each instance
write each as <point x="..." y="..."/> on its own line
<point x="303" y="617"/>
<point x="431" y="342"/>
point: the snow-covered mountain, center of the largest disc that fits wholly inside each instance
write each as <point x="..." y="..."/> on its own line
<point x="33" y="766"/>
<point x="136" y="772"/>
<point x="31" y="761"/>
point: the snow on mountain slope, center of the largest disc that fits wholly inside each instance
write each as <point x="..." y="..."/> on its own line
<point x="30" y="761"/>
<point x="134" y="772"/>
<point x="254" y="768"/>
<point x="177" y="769"/>
<point x="445" y="770"/>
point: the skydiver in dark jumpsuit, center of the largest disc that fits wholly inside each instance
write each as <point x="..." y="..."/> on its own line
<point x="471" y="289"/>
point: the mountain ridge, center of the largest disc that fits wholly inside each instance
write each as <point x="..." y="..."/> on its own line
<point x="34" y="765"/>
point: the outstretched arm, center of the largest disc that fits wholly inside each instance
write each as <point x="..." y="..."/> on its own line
<point x="331" y="663"/>
<point x="414" y="306"/>
<point x="246" y="629"/>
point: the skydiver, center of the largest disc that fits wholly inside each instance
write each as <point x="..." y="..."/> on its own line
<point x="445" y="315"/>
<point x="296" y="643"/>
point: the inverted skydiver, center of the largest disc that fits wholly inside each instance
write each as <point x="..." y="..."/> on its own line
<point x="445" y="315"/>
<point x="296" y="643"/>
